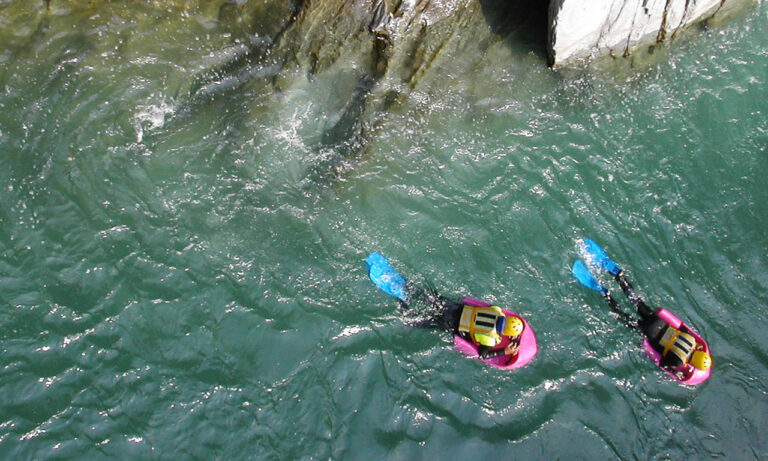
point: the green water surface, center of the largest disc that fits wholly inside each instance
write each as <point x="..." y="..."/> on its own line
<point x="176" y="284"/>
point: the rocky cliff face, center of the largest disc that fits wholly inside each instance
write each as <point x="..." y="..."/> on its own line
<point x="403" y="38"/>
<point x="581" y="29"/>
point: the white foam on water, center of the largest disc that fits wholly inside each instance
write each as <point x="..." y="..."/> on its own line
<point x="288" y="132"/>
<point x="151" y="116"/>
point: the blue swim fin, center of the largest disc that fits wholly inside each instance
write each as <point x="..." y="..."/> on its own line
<point x="597" y="257"/>
<point x="586" y="278"/>
<point x="385" y="277"/>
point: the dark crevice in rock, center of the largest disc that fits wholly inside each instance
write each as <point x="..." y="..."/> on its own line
<point x="683" y="17"/>
<point x="522" y="21"/>
<point x="298" y="7"/>
<point x="414" y="58"/>
<point x="629" y="42"/>
<point x="663" y="27"/>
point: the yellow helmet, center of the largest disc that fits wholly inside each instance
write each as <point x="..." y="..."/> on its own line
<point x="701" y="360"/>
<point x="513" y="326"/>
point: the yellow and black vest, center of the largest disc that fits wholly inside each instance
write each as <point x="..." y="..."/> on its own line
<point x="677" y="343"/>
<point x="480" y="323"/>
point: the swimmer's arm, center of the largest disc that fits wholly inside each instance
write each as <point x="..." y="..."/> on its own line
<point x="486" y="352"/>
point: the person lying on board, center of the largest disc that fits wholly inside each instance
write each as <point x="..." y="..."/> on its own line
<point x="679" y="350"/>
<point x="486" y="327"/>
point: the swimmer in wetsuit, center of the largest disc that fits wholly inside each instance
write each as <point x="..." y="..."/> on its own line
<point x="678" y="348"/>
<point x="485" y="327"/>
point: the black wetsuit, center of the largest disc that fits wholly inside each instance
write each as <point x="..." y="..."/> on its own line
<point x="445" y="314"/>
<point x="650" y="324"/>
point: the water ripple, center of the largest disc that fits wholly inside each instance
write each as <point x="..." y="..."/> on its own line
<point x="173" y="280"/>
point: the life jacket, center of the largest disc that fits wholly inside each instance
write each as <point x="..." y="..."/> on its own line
<point x="480" y="324"/>
<point x="678" y="343"/>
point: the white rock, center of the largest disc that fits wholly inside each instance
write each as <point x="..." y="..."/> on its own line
<point x="580" y="29"/>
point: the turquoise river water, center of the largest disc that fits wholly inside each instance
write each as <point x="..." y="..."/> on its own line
<point x="175" y="285"/>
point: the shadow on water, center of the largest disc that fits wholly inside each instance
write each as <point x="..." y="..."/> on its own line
<point x="344" y="139"/>
<point x="347" y="138"/>
<point x="521" y="23"/>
